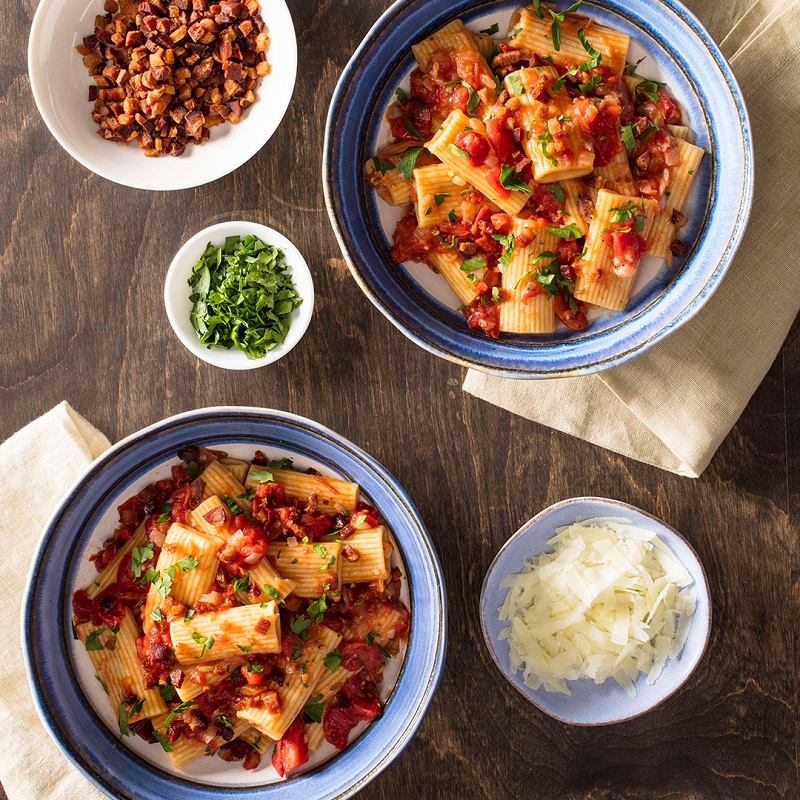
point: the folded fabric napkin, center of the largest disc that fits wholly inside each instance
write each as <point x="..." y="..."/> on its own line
<point x="673" y="406"/>
<point x="31" y="766"/>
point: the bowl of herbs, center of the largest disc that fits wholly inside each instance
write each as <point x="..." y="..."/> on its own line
<point x="239" y="295"/>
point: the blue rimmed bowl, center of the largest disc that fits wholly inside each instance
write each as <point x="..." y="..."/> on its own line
<point x="590" y="703"/>
<point x="679" y="52"/>
<point x="70" y="700"/>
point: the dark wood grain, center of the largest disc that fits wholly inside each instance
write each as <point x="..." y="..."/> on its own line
<point x="81" y="274"/>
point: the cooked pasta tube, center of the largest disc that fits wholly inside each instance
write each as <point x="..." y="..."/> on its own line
<point x="116" y="663"/>
<point x="366" y="556"/>
<point x="314" y="567"/>
<point x="532" y="314"/>
<point x="223" y="634"/>
<point x="211" y="674"/>
<point x="109" y="573"/>
<point x="464" y="283"/>
<point x="220" y="481"/>
<point x="197" y="517"/>
<point x="617" y="175"/>
<point x="437" y="195"/>
<point x="334" y="495"/>
<point x="302" y="676"/>
<point x="270" y="583"/>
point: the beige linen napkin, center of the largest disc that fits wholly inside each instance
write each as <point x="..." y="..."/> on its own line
<point x="673" y="406"/>
<point x="31" y="766"/>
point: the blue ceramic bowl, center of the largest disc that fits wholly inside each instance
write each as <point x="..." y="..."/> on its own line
<point x="679" y="51"/>
<point x="62" y="680"/>
<point x="589" y="703"/>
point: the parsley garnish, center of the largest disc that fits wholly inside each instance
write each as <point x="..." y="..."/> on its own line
<point x="381" y="166"/>
<point x="566" y="231"/>
<point x="371" y="636"/>
<point x="544" y="139"/>
<point x="300" y="625"/>
<point x="162" y="740"/>
<point x="491" y="30"/>
<point x="178" y="710"/>
<point x="233" y="506"/>
<point x="405" y="166"/>
<point x="206" y="641"/>
<point x="283" y="463"/>
<point x="452" y="217"/>
<point x="189" y="615"/>
<point x="273" y="592"/>
<point x="440" y="197"/>
<point x="649" y="89"/>
<point x="166" y="508"/>
<point x="125" y="717"/>
<point x="241" y="584"/>
<point x="315" y="708"/>
<point x="318" y="608"/>
<point x="457" y="150"/>
<point x="408" y="125"/>
<point x="558" y="18"/>
<point x="242" y="296"/>
<point x="193" y="469"/>
<point x="628" y="134"/>
<point x="556" y="189"/>
<point x="93" y="640"/>
<point x="474" y="101"/>
<point x="476" y="262"/>
<point x="139" y="555"/>
<point x="167" y="692"/>
<point x="245" y="649"/>
<point x="630" y="69"/>
<point x="320" y="550"/>
<point x="400" y="94"/>
<point x="260" y="475"/>
<point x="225" y="721"/>
<point x="508" y="244"/>
<point x="333" y="660"/>
<point x="516" y="84"/>
<point x="510" y="181"/>
<point x="590" y="64"/>
<point x="156" y="614"/>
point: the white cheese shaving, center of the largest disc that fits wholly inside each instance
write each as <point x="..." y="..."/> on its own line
<point x="609" y="601"/>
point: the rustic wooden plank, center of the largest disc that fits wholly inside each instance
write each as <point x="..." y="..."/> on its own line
<point x="82" y="263"/>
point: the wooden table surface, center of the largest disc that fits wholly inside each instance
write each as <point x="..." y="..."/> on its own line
<point x="81" y="277"/>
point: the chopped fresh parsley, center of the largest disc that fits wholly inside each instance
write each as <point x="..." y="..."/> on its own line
<point x="193" y="470"/>
<point x="189" y="615"/>
<point x="492" y="30"/>
<point x="405" y="166"/>
<point x="167" y="692"/>
<point x="544" y="140"/>
<point x="320" y="550"/>
<point x="185" y="564"/>
<point x="300" y="625"/>
<point x="166" y="508"/>
<point x="381" y="166"/>
<point x="333" y="660"/>
<point x="516" y="84"/>
<point x="565" y="231"/>
<point x="260" y="475"/>
<point x="178" y="710"/>
<point x="400" y="94"/>
<point x="457" y="150"/>
<point x="93" y="640"/>
<point x="206" y="641"/>
<point x="556" y="189"/>
<point x="315" y="708"/>
<point x="225" y="721"/>
<point x="125" y="717"/>
<point x="318" y="608"/>
<point x="628" y="134"/>
<point x="558" y="18"/>
<point x="630" y="69"/>
<point x="440" y="197"/>
<point x="409" y="126"/>
<point x="283" y="463"/>
<point x="470" y="264"/>
<point x="139" y="555"/>
<point x="648" y="89"/>
<point x="452" y="217"/>
<point x="156" y="614"/>
<point x="510" y="181"/>
<point x="508" y="244"/>
<point x="233" y="506"/>
<point x="241" y="584"/>
<point x="242" y="296"/>
<point x="596" y="57"/>
<point x="162" y="740"/>
<point x="273" y="592"/>
<point x="371" y="636"/>
<point x="244" y="649"/>
<point x="594" y="81"/>
<point x="474" y="101"/>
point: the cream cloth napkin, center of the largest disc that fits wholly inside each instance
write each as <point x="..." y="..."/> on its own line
<point x="673" y="406"/>
<point x="31" y="765"/>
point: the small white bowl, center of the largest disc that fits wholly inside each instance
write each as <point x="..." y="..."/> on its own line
<point x="177" y="292"/>
<point x="590" y="703"/>
<point x="60" y="85"/>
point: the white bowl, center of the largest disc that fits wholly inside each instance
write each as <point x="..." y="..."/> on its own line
<point x="177" y="292"/>
<point x="60" y="85"/>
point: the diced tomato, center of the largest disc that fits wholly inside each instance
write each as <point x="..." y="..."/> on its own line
<point x="668" y="109"/>
<point x="502" y="223"/>
<point x="245" y="548"/>
<point x="628" y="246"/>
<point x="360" y="655"/>
<point x="567" y="249"/>
<point x="107" y="607"/>
<point x="371" y="516"/>
<point x="336" y="725"/>
<point x="605" y="129"/>
<point x="500" y="137"/>
<point x="572" y="319"/>
<point x="484" y="317"/>
<point x="292" y="749"/>
<point x="410" y="114"/>
<point x="130" y="512"/>
<point x="252" y="677"/>
<point x="546" y="203"/>
<point x="81" y="606"/>
<point x="474" y="144"/>
<point x="128" y="582"/>
<point x="493" y="176"/>
<point x="316" y="524"/>
<point x="411" y="243"/>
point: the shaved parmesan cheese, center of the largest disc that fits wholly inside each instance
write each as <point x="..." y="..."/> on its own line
<point x="609" y="601"/>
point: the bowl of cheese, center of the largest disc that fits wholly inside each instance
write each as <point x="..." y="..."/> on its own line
<point x="596" y="611"/>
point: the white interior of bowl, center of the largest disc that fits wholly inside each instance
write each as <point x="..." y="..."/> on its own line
<point x="212" y="771"/>
<point x="61" y="84"/>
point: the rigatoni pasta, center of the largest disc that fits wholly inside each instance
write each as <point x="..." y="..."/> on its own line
<point x="568" y="118"/>
<point x="211" y="624"/>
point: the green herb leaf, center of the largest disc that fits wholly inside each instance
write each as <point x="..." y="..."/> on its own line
<point x="241" y="584"/>
<point x="558" y="18"/>
<point x="556" y="189"/>
<point x="439" y="198"/>
<point x="166" y="508"/>
<point x="245" y="649"/>
<point x="162" y="740"/>
<point x="139" y="555"/>
<point x="225" y="721"/>
<point x="242" y="296"/>
<point x="405" y="166"/>
<point x="189" y="615"/>
<point x="315" y="708"/>
<point x="628" y="135"/>
<point x="474" y="101"/>
<point x="254" y="666"/>
<point x="167" y="692"/>
<point x="93" y="640"/>
<point x="516" y="84"/>
<point x="457" y="150"/>
<point x="630" y="69"/>
<point x="206" y="641"/>
<point x="544" y="140"/>
<point x="318" y="608"/>
<point x="565" y="231"/>
<point x="156" y="614"/>
<point x="283" y="463"/>
<point x="300" y="625"/>
<point x="260" y="475"/>
<point x="185" y="564"/>
<point x="124" y="730"/>
<point x="273" y="592"/>
<point x="508" y="244"/>
<point x="408" y="125"/>
<point x="492" y="30"/>
<point x="452" y="217"/>
<point x="596" y="56"/>
<point x="647" y="89"/>
<point x="333" y="660"/>
<point x="178" y="710"/>
<point x="371" y="636"/>
<point x="476" y="262"/>
<point x="400" y="94"/>
<point x="320" y="550"/>
<point x="511" y="182"/>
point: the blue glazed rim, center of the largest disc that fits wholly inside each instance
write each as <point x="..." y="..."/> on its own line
<point x="490" y="589"/>
<point x="83" y="737"/>
<point x="347" y="135"/>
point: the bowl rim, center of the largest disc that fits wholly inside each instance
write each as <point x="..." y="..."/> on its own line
<point x="485" y="363"/>
<point x="519" y="533"/>
<point x="378" y="761"/>
<point x="180" y="269"/>
<point x="194" y="177"/>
